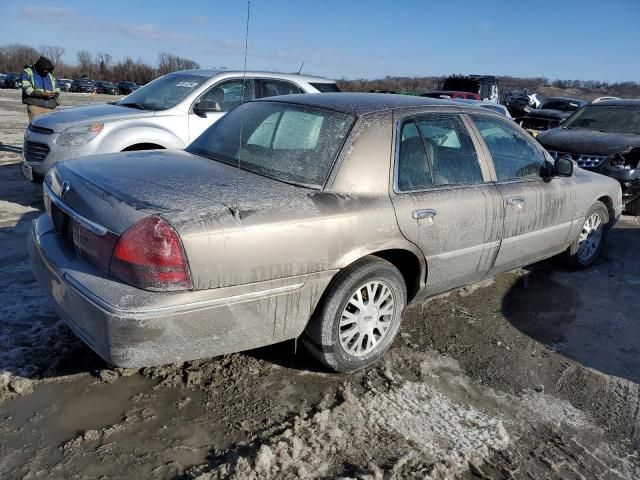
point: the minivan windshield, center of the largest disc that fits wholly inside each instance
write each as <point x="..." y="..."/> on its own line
<point x="606" y="118"/>
<point x="164" y="92"/>
<point x="291" y="143"/>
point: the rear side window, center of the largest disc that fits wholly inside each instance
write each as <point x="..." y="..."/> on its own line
<point x="274" y="88"/>
<point x="325" y="87"/>
<point x="514" y="154"/>
<point x="436" y="150"/>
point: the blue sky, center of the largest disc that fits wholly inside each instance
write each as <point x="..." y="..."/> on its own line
<point x="585" y="39"/>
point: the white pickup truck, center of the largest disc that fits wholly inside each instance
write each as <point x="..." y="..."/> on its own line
<point x="169" y="112"/>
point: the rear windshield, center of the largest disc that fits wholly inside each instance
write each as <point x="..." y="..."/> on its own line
<point x="164" y="92"/>
<point x="461" y="85"/>
<point x="325" y="87"/>
<point x="606" y="118"/>
<point x="291" y="143"/>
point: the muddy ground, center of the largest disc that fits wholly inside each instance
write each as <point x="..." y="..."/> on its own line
<point x="531" y="375"/>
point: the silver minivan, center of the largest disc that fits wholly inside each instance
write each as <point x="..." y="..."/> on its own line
<point x="168" y="113"/>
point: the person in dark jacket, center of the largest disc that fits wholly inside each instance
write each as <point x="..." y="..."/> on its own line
<point x="39" y="90"/>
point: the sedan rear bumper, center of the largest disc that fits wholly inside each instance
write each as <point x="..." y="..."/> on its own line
<point x="129" y="327"/>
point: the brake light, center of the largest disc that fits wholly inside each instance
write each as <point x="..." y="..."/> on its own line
<point x="149" y="255"/>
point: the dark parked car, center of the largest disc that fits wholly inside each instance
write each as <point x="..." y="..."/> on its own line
<point x="82" y="85"/>
<point x="521" y="102"/>
<point x="550" y="114"/>
<point x="126" y="88"/>
<point x="603" y="137"/>
<point x="11" y="80"/>
<point x="107" y="87"/>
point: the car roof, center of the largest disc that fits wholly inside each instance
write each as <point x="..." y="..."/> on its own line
<point x="620" y="102"/>
<point x="360" y="103"/>
<point x="238" y="73"/>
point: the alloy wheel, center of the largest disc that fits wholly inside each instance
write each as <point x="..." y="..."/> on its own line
<point x="366" y="318"/>
<point x="590" y="237"/>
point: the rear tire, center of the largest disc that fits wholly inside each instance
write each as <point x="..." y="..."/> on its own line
<point x="633" y="207"/>
<point x="586" y="248"/>
<point x="359" y="316"/>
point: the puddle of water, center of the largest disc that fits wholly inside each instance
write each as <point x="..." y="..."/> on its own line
<point x="57" y="412"/>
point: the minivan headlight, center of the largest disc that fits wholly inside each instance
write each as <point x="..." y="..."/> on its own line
<point x="79" y="135"/>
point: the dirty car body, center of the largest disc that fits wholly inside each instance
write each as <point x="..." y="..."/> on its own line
<point x="268" y="211"/>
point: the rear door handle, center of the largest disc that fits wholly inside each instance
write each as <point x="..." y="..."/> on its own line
<point x="424" y="213"/>
<point x="515" y="201"/>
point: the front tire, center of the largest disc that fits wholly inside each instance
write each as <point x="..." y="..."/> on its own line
<point x="586" y="248"/>
<point x="359" y="317"/>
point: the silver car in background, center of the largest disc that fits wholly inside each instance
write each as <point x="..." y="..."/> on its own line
<point x="168" y="113"/>
<point x="312" y="216"/>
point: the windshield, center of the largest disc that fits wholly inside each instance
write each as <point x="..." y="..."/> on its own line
<point x="164" y="92"/>
<point x="562" y="105"/>
<point x="291" y="143"/>
<point x="606" y="118"/>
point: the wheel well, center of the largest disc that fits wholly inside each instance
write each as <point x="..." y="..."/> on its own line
<point x="409" y="267"/>
<point x="143" y="146"/>
<point x="609" y="204"/>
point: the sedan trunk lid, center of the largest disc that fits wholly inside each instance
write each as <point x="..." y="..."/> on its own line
<point x="193" y="193"/>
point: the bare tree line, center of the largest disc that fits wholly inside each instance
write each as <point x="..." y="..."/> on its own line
<point x="102" y="66"/>
<point x="582" y="88"/>
<point x="14" y="57"/>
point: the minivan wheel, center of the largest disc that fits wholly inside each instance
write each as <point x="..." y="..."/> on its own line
<point x="590" y="242"/>
<point x="359" y="317"/>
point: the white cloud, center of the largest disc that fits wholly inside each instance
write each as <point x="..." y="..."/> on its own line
<point x="47" y="13"/>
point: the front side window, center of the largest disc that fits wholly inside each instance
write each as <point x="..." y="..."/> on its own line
<point x="436" y="150"/>
<point x="514" y="154"/>
<point x="228" y="95"/>
<point x="291" y="143"/>
<point x="274" y="88"/>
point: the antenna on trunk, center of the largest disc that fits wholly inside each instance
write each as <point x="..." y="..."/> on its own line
<point x="236" y="213"/>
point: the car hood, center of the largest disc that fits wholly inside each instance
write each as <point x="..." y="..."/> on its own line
<point x="587" y="141"/>
<point x="58" y="120"/>
<point x="548" y="113"/>
<point x="193" y="193"/>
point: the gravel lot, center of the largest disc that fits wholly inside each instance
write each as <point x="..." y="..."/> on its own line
<point x="533" y="374"/>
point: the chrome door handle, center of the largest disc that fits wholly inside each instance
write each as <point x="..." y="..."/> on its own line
<point x="515" y="201"/>
<point x="424" y="213"/>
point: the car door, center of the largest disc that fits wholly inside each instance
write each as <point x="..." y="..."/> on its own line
<point x="538" y="209"/>
<point x="228" y="95"/>
<point x="444" y="199"/>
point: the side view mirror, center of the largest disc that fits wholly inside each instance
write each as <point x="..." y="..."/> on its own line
<point x="206" y="106"/>
<point x="564" y="166"/>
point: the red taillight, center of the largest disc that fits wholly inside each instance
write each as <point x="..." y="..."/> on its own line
<point x="149" y="255"/>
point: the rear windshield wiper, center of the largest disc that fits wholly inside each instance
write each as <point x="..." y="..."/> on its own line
<point x="139" y="106"/>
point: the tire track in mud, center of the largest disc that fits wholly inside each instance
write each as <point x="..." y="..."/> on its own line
<point x="438" y="426"/>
